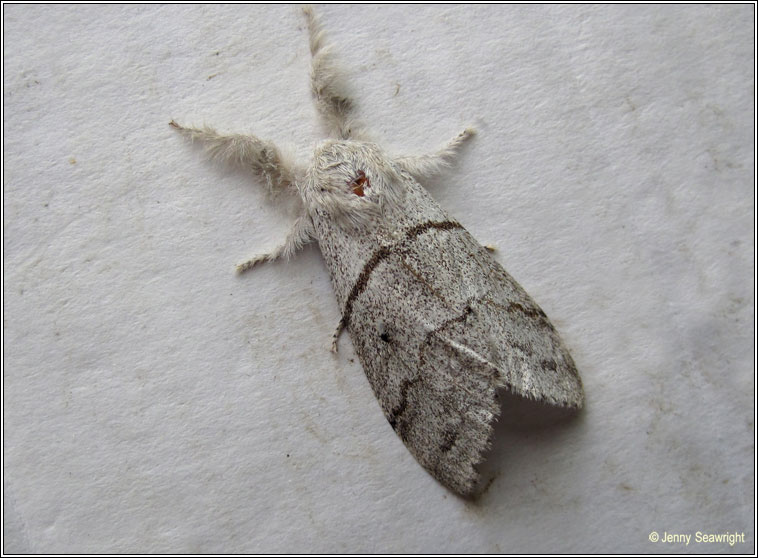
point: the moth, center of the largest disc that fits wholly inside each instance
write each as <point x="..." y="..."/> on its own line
<point x="436" y="322"/>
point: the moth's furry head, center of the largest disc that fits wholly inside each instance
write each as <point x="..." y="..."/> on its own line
<point x="353" y="181"/>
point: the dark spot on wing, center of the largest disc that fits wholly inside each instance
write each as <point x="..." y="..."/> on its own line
<point x="448" y="440"/>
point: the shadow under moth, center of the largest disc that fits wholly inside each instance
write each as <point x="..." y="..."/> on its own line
<point x="436" y="322"/>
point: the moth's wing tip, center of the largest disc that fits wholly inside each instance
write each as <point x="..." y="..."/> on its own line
<point x="576" y="400"/>
<point x="568" y="394"/>
<point x="573" y="394"/>
<point x="472" y="484"/>
<point x="463" y="477"/>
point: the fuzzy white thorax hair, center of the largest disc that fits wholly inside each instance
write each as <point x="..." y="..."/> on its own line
<point x="336" y="165"/>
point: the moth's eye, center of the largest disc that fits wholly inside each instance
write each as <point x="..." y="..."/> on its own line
<point x="359" y="183"/>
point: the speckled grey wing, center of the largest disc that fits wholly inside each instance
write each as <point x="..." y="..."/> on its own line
<point x="439" y="326"/>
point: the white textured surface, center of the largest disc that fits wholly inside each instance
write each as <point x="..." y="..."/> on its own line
<point x="156" y="402"/>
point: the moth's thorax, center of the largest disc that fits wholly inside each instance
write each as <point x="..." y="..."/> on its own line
<point x="352" y="182"/>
